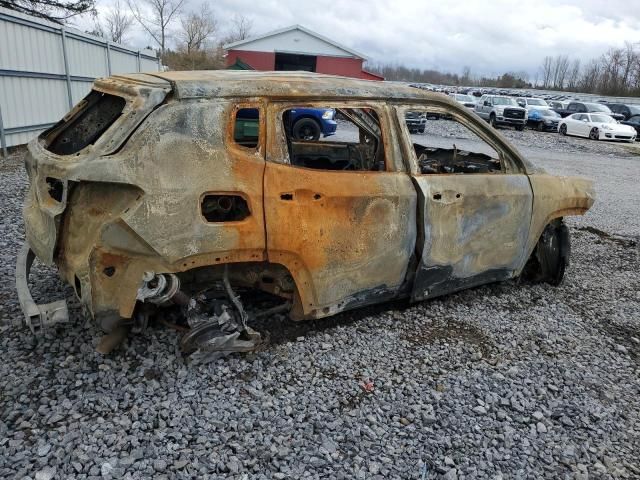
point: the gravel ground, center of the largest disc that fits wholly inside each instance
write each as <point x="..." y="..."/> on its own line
<point x="502" y="381"/>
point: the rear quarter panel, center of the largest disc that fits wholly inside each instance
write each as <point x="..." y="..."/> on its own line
<point x="554" y="197"/>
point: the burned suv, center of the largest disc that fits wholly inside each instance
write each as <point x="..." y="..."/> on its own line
<point x="188" y="192"/>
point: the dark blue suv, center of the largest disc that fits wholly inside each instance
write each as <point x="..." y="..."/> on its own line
<point x="303" y="123"/>
<point x="310" y="123"/>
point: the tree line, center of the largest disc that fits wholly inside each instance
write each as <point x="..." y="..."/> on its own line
<point x="417" y="75"/>
<point x="616" y="72"/>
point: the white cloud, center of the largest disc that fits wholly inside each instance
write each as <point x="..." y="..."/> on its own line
<point x="489" y="37"/>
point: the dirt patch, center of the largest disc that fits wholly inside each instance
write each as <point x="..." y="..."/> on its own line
<point x="451" y="331"/>
<point x="628" y="337"/>
<point x="620" y="240"/>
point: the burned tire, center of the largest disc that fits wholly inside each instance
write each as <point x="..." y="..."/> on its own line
<point x="550" y="256"/>
<point x="306" y="129"/>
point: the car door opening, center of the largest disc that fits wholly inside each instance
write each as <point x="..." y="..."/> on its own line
<point x="355" y="142"/>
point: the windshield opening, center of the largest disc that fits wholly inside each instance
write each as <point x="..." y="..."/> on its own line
<point x="504" y="101"/>
<point x="602" y="119"/>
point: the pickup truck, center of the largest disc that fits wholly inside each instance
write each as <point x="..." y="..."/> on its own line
<point x="501" y="110"/>
<point x="587" y="107"/>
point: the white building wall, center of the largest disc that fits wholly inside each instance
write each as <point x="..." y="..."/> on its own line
<point x="294" y="41"/>
<point x="36" y="89"/>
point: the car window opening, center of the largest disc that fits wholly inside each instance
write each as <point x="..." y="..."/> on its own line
<point x="91" y="118"/>
<point x="444" y="145"/>
<point x="347" y="139"/>
<point x="246" y="130"/>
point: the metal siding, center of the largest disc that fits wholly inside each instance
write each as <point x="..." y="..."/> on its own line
<point x="34" y="46"/>
<point x="32" y="101"/>
<point x="79" y="90"/>
<point x="28" y="49"/>
<point x="86" y="59"/>
<point x="123" y="63"/>
<point x="147" y="65"/>
<point x="22" y="138"/>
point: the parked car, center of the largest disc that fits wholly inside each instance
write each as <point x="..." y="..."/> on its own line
<point x="557" y="104"/>
<point x="158" y="205"/>
<point x="310" y="123"/>
<point x="529" y="102"/>
<point x="625" y="110"/>
<point x="587" y="107"/>
<point x="415" y="121"/>
<point x="466" y="100"/>
<point x="543" y="119"/>
<point x="501" y="110"/>
<point x="633" y="121"/>
<point x="596" y="126"/>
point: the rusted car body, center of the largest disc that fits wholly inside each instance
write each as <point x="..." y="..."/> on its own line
<point x="119" y="195"/>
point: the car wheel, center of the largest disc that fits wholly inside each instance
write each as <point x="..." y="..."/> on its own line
<point x="540" y="126"/>
<point x="492" y="121"/>
<point x="594" y="134"/>
<point x="421" y="130"/>
<point x="563" y="129"/>
<point x="550" y="256"/>
<point x="519" y="128"/>
<point x="306" y="129"/>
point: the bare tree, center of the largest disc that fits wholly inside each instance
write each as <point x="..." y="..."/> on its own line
<point x="465" y="79"/>
<point x="52" y="10"/>
<point x="573" y="75"/>
<point x="591" y="76"/>
<point x="163" y="12"/>
<point x="547" y="66"/>
<point x="559" y="71"/>
<point x="197" y="28"/>
<point x="117" y="22"/>
<point x="630" y="59"/>
<point x="241" y="28"/>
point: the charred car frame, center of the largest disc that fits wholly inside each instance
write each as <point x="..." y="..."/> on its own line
<point x="154" y="189"/>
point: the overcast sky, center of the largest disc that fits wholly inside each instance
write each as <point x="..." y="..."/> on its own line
<point x="490" y="37"/>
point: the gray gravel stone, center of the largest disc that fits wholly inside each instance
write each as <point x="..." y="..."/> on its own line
<point x="550" y="374"/>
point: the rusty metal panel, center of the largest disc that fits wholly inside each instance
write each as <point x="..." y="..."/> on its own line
<point x="473" y="225"/>
<point x="345" y="236"/>
<point x="341" y="234"/>
<point x="183" y="145"/>
<point x="555" y="197"/>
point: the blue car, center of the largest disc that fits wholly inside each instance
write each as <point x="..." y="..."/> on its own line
<point x="310" y="123"/>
